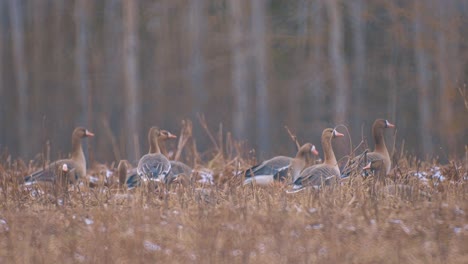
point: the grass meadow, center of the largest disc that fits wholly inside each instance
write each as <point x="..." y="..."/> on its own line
<point x="419" y="216"/>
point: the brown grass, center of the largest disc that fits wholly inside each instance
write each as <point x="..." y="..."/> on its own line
<point x="230" y="223"/>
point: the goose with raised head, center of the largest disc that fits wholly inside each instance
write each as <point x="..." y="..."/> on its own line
<point x="75" y="166"/>
<point x="323" y="173"/>
<point x="277" y="168"/>
<point x="153" y="166"/>
<point x="380" y="150"/>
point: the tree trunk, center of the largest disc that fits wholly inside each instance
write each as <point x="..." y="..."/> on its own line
<point x="359" y="59"/>
<point x="444" y="69"/>
<point x="239" y="69"/>
<point x="113" y="71"/>
<point x="337" y="60"/>
<point x="317" y="89"/>
<point x="197" y="64"/>
<point x="130" y="61"/>
<point x="21" y="75"/>
<point x="82" y="10"/>
<point x="260" y="45"/>
<point x="2" y="77"/>
<point x="423" y="79"/>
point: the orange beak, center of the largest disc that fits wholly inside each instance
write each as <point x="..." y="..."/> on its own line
<point x="390" y="125"/>
<point x="170" y="135"/>
<point x="314" y="151"/>
<point x="367" y="166"/>
<point x="89" y="134"/>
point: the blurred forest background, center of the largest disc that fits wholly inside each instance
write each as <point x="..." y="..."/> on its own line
<point x="253" y="65"/>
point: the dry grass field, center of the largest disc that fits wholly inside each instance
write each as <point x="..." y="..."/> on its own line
<point x="230" y="223"/>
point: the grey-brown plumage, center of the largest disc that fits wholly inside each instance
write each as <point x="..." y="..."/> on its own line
<point x="76" y="165"/>
<point x="179" y="169"/>
<point x="324" y="173"/>
<point x="154" y="165"/>
<point x="277" y="168"/>
<point x="380" y="151"/>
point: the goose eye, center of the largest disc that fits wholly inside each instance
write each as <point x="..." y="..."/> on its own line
<point x="386" y="123"/>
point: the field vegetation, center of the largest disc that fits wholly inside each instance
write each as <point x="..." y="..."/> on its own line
<point x="419" y="216"/>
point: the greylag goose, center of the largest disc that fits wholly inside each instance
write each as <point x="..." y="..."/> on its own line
<point x="154" y="165"/>
<point x="74" y="167"/>
<point x="322" y="173"/>
<point x="277" y="167"/>
<point x="380" y="151"/>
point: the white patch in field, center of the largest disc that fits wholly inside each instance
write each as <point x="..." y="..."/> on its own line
<point x="236" y="252"/>
<point x="80" y="258"/>
<point x="457" y="230"/>
<point x="109" y="173"/>
<point x="93" y="179"/>
<point x="150" y="246"/>
<point x="88" y="221"/>
<point x="4" y="226"/>
<point x="312" y="210"/>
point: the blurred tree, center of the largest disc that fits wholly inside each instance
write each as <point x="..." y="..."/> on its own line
<point x="337" y="60"/>
<point x="260" y="48"/>
<point x="21" y="72"/>
<point x="130" y="63"/>
<point x="239" y="51"/>
<point x="358" y="73"/>
<point x="422" y="59"/>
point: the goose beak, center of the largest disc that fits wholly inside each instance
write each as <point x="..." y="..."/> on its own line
<point x="367" y="166"/>
<point x="170" y="135"/>
<point x="314" y="151"/>
<point x="89" y="134"/>
<point x="389" y="125"/>
<point x="64" y="167"/>
<point x="337" y="134"/>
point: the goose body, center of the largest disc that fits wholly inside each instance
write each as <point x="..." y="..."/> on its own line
<point x="153" y="166"/>
<point x="380" y="151"/>
<point x="75" y="167"/>
<point x="277" y="168"/>
<point x="324" y="173"/>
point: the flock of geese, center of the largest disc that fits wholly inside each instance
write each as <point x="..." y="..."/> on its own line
<point x="156" y="167"/>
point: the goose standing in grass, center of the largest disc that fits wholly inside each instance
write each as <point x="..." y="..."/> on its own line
<point x="153" y="166"/>
<point x="75" y="166"/>
<point x="277" y="167"/>
<point x="380" y="151"/>
<point x="323" y="173"/>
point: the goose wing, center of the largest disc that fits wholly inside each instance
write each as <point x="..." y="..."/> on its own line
<point x="277" y="166"/>
<point x="50" y="173"/>
<point x="316" y="176"/>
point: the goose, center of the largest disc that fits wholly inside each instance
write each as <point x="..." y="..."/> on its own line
<point x="277" y="167"/>
<point x="75" y="167"/>
<point x="179" y="169"/>
<point x="322" y="173"/>
<point x="380" y="151"/>
<point x="122" y="170"/>
<point x="153" y="166"/>
<point x="404" y="191"/>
